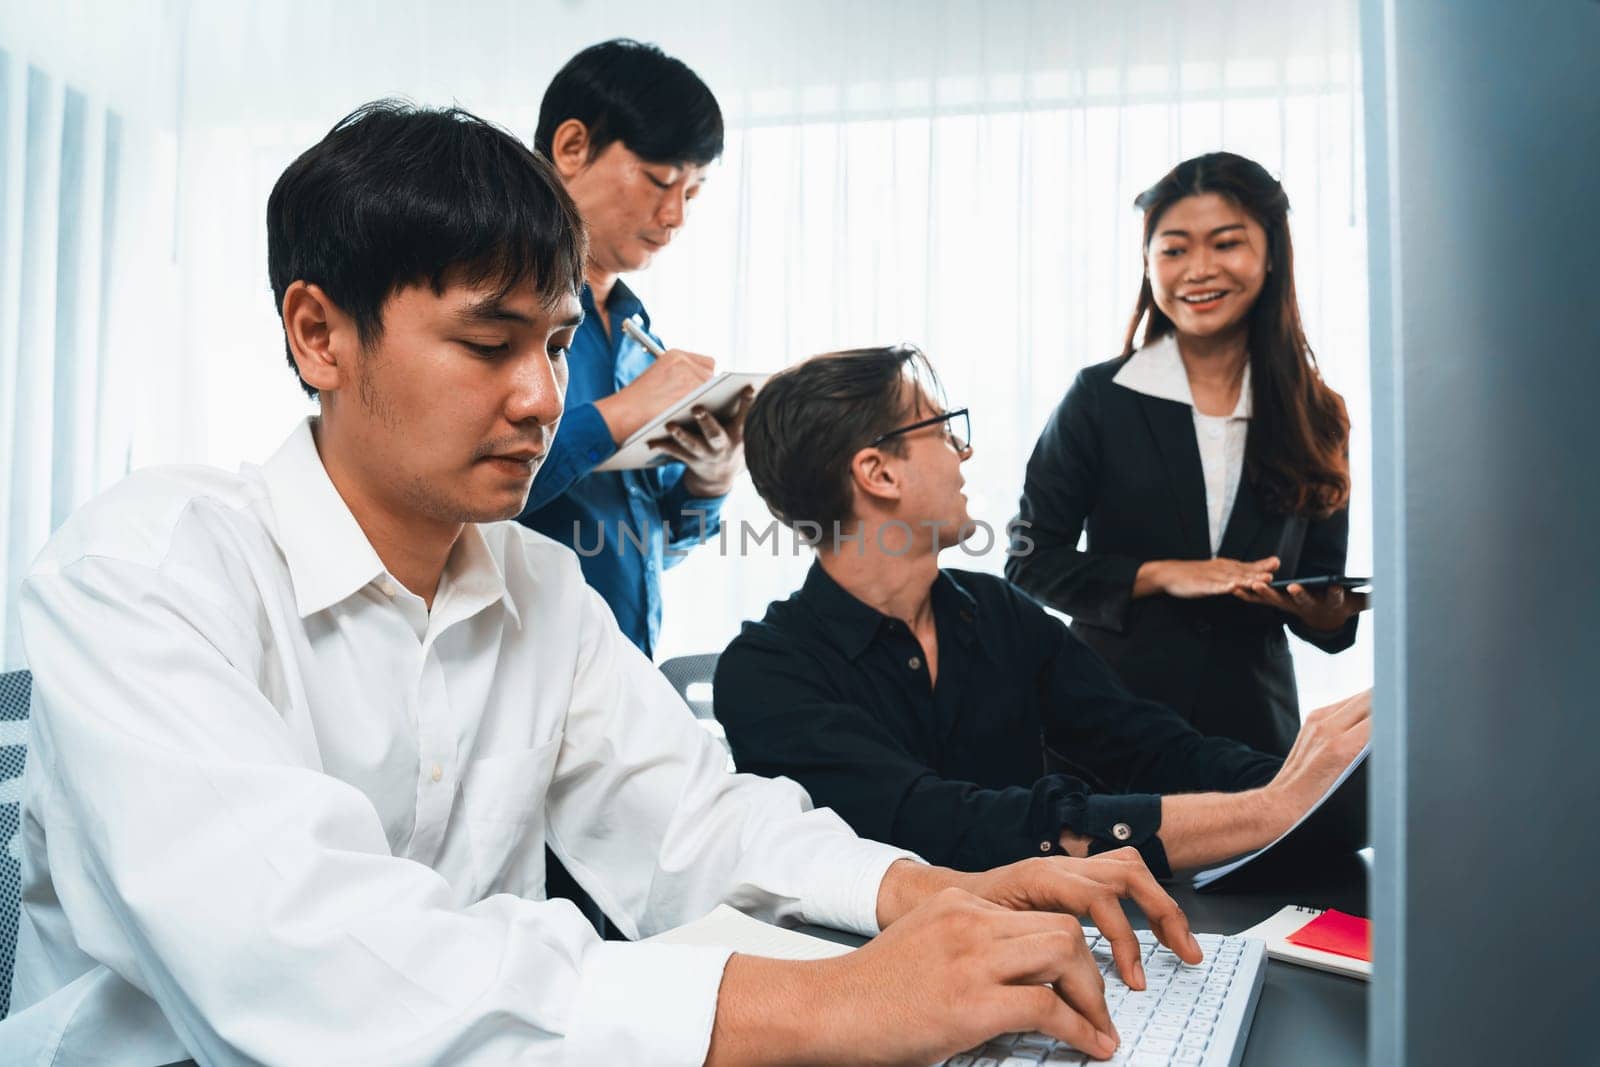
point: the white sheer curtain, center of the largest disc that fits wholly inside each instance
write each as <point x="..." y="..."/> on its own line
<point x="77" y="151"/>
<point x="958" y="174"/>
<point x="963" y="178"/>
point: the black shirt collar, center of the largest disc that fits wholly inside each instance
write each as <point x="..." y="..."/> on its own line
<point x="851" y="625"/>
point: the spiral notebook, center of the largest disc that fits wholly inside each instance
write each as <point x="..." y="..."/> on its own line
<point x="1277" y="930"/>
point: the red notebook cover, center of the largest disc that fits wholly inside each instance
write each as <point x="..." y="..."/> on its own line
<point x="1336" y="932"/>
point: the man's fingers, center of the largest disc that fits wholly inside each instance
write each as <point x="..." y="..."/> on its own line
<point x="1167" y="920"/>
<point x="1360" y="734"/>
<point x="680" y="444"/>
<point x="695" y="359"/>
<point x="1351" y="711"/>
<point x="672" y="448"/>
<point x="1004" y="922"/>
<point x="1109" y="917"/>
<point x="711" y="429"/>
<point x="1032" y="1007"/>
<point x="741" y="407"/>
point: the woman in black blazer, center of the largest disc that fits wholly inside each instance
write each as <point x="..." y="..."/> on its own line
<point x="1205" y="463"/>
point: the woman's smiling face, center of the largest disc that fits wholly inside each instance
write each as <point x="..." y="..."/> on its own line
<point x="1207" y="262"/>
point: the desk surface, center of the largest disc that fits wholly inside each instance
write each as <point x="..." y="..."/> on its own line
<point x="1305" y="1017"/>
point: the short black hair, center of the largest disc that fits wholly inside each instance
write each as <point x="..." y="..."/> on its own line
<point x="809" y="421"/>
<point x="399" y="195"/>
<point x="629" y="91"/>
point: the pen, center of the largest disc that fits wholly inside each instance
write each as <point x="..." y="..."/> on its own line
<point x="632" y="329"/>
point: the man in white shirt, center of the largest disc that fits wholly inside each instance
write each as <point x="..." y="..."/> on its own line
<point x="300" y="734"/>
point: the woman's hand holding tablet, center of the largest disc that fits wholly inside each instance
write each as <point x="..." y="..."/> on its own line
<point x="1323" y="602"/>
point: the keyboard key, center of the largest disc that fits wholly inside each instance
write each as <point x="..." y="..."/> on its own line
<point x="1188" y="1055"/>
<point x="1018" y="1059"/>
<point x="962" y="1060"/>
<point x="1044" y="1041"/>
<point x="1157" y="1046"/>
<point x="1066" y="1056"/>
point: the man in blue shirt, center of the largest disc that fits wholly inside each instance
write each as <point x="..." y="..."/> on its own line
<point x="631" y="132"/>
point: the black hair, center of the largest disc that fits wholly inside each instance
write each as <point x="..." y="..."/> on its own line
<point x="809" y="421"/>
<point x="398" y="195"/>
<point x="629" y="91"/>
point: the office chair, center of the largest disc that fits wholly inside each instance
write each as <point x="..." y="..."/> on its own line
<point x="691" y="677"/>
<point x="15" y="689"/>
<point x="687" y="674"/>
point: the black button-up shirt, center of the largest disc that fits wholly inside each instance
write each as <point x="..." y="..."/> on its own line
<point x="1026" y="733"/>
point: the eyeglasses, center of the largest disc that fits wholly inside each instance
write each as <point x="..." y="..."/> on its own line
<point x="957" y="429"/>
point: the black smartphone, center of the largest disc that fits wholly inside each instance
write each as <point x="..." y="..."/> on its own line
<point x="1321" y="581"/>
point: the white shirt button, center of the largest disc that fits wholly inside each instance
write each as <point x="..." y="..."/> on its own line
<point x="387" y="587"/>
<point x="915" y="662"/>
<point x="1122" y="831"/>
<point x="438" y="773"/>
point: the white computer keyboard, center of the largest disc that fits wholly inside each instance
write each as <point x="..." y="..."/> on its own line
<point x="1185" y="1015"/>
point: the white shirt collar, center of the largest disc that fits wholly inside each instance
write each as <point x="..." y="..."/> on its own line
<point x="1157" y="370"/>
<point x="328" y="554"/>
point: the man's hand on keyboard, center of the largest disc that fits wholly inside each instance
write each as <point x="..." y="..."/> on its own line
<point x="948" y="975"/>
<point x="962" y="957"/>
<point x="1094" y="887"/>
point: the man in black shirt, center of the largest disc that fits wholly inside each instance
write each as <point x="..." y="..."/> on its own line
<point x="945" y="711"/>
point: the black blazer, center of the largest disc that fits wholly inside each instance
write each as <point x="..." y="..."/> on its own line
<point x="1127" y="466"/>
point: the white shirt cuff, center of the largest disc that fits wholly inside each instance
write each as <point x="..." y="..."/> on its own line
<point x="852" y="904"/>
<point x="645" y="1003"/>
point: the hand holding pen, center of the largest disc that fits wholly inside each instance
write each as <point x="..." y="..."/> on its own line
<point x="674" y="375"/>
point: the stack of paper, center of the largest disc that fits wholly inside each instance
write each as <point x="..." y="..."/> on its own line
<point x="730" y="928"/>
<point x="1293" y="934"/>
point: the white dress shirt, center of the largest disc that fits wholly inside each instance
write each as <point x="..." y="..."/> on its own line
<point x="278" y="811"/>
<point x="1157" y="370"/>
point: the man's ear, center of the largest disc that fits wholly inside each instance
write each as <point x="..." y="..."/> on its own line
<point x="321" y="336"/>
<point x="569" y="148"/>
<point x="874" y="478"/>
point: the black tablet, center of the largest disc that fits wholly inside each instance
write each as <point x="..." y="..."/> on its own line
<point x="1323" y="580"/>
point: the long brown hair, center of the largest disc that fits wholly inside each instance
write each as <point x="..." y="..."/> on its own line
<point x="1296" y="454"/>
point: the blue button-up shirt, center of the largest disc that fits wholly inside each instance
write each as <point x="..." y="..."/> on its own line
<point x="626" y="526"/>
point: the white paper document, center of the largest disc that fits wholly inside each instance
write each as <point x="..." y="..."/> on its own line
<point x="1206" y="877"/>
<point x="730" y="928"/>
